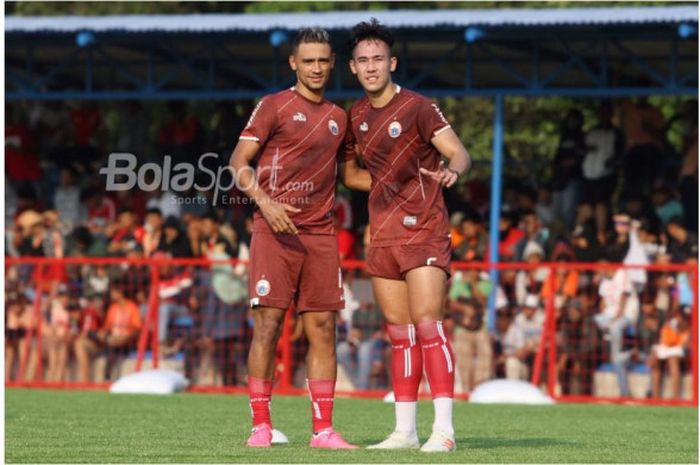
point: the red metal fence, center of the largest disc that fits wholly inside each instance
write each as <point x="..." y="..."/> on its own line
<point x="582" y="332"/>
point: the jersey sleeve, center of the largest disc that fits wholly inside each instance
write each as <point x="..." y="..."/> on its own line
<point x="347" y="151"/>
<point x="429" y="120"/>
<point x="262" y="122"/>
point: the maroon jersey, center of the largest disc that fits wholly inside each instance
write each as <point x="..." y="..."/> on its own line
<point x="300" y="142"/>
<point x="405" y="207"/>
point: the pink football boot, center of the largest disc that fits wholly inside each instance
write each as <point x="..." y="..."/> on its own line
<point x="261" y="436"/>
<point x="329" y="439"/>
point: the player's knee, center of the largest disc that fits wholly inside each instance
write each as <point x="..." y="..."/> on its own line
<point x="267" y="330"/>
<point x="322" y="332"/>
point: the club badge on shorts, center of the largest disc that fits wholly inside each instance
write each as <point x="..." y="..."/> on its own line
<point x="395" y="129"/>
<point x="262" y="287"/>
<point x="333" y="127"/>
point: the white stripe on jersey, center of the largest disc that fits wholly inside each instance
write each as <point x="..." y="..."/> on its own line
<point x="441" y="129"/>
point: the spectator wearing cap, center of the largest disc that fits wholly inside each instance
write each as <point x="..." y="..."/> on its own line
<point x="530" y="281"/>
<point x="579" y="346"/>
<point x="522" y="339"/>
<point x="672" y="348"/>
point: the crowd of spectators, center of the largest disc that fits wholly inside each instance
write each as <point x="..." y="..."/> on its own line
<point x="618" y="192"/>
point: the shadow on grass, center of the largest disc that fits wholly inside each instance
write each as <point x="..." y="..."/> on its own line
<point x="494" y="443"/>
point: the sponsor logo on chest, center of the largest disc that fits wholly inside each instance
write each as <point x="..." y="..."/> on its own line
<point x="364" y="127"/>
<point x="299" y="116"/>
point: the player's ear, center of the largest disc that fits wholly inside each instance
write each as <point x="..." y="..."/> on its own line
<point x="332" y="60"/>
<point x="392" y="64"/>
<point x="292" y="63"/>
<point x="352" y="66"/>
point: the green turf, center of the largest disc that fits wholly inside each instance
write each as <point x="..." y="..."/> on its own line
<point x="97" y="427"/>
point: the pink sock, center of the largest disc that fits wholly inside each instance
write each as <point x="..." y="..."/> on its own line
<point x="260" y="393"/>
<point x="322" y="393"/>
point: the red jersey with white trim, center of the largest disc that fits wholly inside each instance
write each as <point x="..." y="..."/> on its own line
<point x="301" y="143"/>
<point x="405" y="207"/>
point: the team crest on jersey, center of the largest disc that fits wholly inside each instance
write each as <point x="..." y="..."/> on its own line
<point x="299" y="116"/>
<point x="333" y="127"/>
<point x="395" y="129"/>
<point x="364" y="127"/>
<point x="262" y="287"/>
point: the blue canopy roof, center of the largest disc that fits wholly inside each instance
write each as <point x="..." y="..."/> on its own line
<point x="346" y="19"/>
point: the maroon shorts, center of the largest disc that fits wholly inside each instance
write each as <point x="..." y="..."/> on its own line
<point x="393" y="262"/>
<point x="303" y="270"/>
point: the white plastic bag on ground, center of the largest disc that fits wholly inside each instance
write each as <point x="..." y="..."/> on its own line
<point x="509" y="391"/>
<point x="150" y="382"/>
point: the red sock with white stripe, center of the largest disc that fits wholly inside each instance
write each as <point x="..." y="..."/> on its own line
<point x="439" y="368"/>
<point x="260" y="393"/>
<point x="406" y="373"/>
<point x="322" y="393"/>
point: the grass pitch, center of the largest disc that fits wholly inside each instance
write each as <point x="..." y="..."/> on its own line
<point x="97" y="427"/>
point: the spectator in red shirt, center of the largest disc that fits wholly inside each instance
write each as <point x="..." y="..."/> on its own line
<point x="510" y="235"/>
<point x="21" y="161"/>
<point x="101" y="210"/>
<point x="88" y="343"/>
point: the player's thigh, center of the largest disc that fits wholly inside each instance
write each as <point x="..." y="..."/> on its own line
<point x="427" y="286"/>
<point x="275" y="264"/>
<point x="392" y="297"/>
<point x="320" y="279"/>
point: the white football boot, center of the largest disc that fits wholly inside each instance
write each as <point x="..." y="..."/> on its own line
<point x="440" y="442"/>
<point x="398" y="440"/>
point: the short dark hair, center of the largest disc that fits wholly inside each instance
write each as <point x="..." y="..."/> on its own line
<point x="372" y="30"/>
<point x="311" y="35"/>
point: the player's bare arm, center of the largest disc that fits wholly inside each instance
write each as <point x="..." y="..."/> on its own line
<point x="353" y="176"/>
<point x="275" y="213"/>
<point x="450" y="147"/>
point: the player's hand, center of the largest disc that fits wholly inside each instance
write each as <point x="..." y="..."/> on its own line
<point x="276" y="216"/>
<point x="446" y="177"/>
